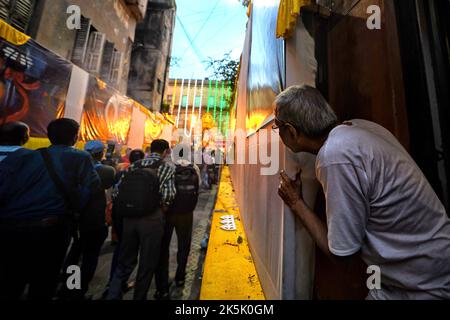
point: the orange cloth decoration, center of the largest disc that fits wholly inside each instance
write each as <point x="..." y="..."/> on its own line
<point x="12" y="35"/>
<point x="288" y="12"/>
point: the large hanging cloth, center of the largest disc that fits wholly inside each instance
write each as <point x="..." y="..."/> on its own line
<point x="288" y="12"/>
<point x="106" y="115"/>
<point x="266" y="64"/>
<point x="12" y="35"/>
<point x="33" y="81"/>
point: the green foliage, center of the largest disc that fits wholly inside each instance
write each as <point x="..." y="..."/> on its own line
<point x="225" y="69"/>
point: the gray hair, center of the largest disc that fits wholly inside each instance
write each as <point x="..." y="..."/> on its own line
<point x="306" y="109"/>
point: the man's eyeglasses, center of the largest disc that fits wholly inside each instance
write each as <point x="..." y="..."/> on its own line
<point x="276" y="127"/>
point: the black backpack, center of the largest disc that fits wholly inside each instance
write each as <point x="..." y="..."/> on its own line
<point x="186" y="183"/>
<point x="139" y="192"/>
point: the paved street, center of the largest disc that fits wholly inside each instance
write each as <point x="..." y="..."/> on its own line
<point x="191" y="290"/>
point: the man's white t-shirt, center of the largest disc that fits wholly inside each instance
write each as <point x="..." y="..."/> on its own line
<point x="379" y="202"/>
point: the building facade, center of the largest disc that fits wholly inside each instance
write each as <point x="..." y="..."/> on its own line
<point x="188" y="99"/>
<point x="102" y="45"/>
<point x="151" y="54"/>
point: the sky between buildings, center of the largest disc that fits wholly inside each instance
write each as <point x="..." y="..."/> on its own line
<point x="203" y="29"/>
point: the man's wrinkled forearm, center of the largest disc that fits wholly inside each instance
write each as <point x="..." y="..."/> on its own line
<point x="316" y="227"/>
<point x="319" y="232"/>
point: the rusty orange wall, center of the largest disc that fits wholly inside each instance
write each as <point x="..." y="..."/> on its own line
<point x="364" y="81"/>
<point x="365" y="76"/>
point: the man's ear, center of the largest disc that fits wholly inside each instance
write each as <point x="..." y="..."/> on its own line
<point x="166" y="153"/>
<point x="25" y="139"/>
<point x="292" y="132"/>
<point x="75" y="140"/>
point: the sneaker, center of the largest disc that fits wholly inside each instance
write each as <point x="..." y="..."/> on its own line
<point x="161" y="295"/>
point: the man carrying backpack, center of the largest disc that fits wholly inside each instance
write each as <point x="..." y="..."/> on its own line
<point x="144" y="195"/>
<point x="179" y="217"/>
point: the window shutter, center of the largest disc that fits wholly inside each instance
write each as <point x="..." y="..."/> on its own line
<point x="116" y="68"/>
<point x="17" y="13"/>
<point x="107" y="61"/>
<point x="4" y="9"/>
<point x="94" y="52"/>
<point x="81" y="41"/>
<point x="21" y="15"/>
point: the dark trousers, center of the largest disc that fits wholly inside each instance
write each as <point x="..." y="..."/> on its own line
<point x="182" y="223"/>
<point x="33" y="256"/>
<point x="140" y="237"/>
<point x="118" y="228"/>
<point x="86" y="249"/>
<point x="114" y="262"/>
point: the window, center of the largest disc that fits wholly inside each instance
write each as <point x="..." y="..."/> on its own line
<point x="94" y="52"/>
<point x="81" y="42"/>
<point x="197" y="101"/>
<point x="111" y="69"/>
<point x="89" y="48"/>
<point x="17" y="13"/>
<point x="184" y="101"/>
<point x="116" y="68"/>
<point x="108" y="52"/>
<point x="211" y="101"/>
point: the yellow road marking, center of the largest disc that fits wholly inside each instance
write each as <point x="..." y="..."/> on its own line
<point x="229" y="271"/>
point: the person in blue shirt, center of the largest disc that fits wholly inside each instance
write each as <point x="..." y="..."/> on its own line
<point x="36" y="218"/>
<point x="92" y="227"/>
<point x="13" y="135"/>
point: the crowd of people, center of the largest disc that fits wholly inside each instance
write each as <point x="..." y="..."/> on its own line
<point x="59" y="204"/>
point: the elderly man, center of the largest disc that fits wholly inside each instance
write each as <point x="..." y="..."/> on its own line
<point x="379" y="205"/>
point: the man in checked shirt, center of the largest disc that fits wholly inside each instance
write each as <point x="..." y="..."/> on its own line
<point x="142" y="235"/>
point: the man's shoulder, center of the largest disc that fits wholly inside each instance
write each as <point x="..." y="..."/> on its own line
<point x="73" y="153"/>
<point x="22" y="152"/>
<point x="79" y="153"/>
<point x="346" y="143"/>
<point x="19" y="156"/>
<point x="169" y="166"/>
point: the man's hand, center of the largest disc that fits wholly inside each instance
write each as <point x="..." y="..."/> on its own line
<point x="290" y="190"/>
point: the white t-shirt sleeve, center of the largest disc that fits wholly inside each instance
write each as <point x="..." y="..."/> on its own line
<point x="347" y="206"/>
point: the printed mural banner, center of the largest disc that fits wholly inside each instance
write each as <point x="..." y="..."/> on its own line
<point x="35" y="86"/>
<point x="156" y="125"/>
<point x="106" y="115"/>
<point x="33" y="82"/>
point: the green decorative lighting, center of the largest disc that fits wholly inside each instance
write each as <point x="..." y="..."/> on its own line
<point x="222" y="102"/>
<point x="209" y="95"/>
<point x="215" y="100"/>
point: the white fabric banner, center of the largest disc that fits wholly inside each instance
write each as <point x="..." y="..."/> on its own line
<point x="76" y="94"/>
<point x="137" y="129"/>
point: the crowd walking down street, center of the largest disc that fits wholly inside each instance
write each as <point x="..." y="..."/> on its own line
<point x="307" y="158"/>
<point x="59" y="212"/>
<point x="58" y="206"/>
